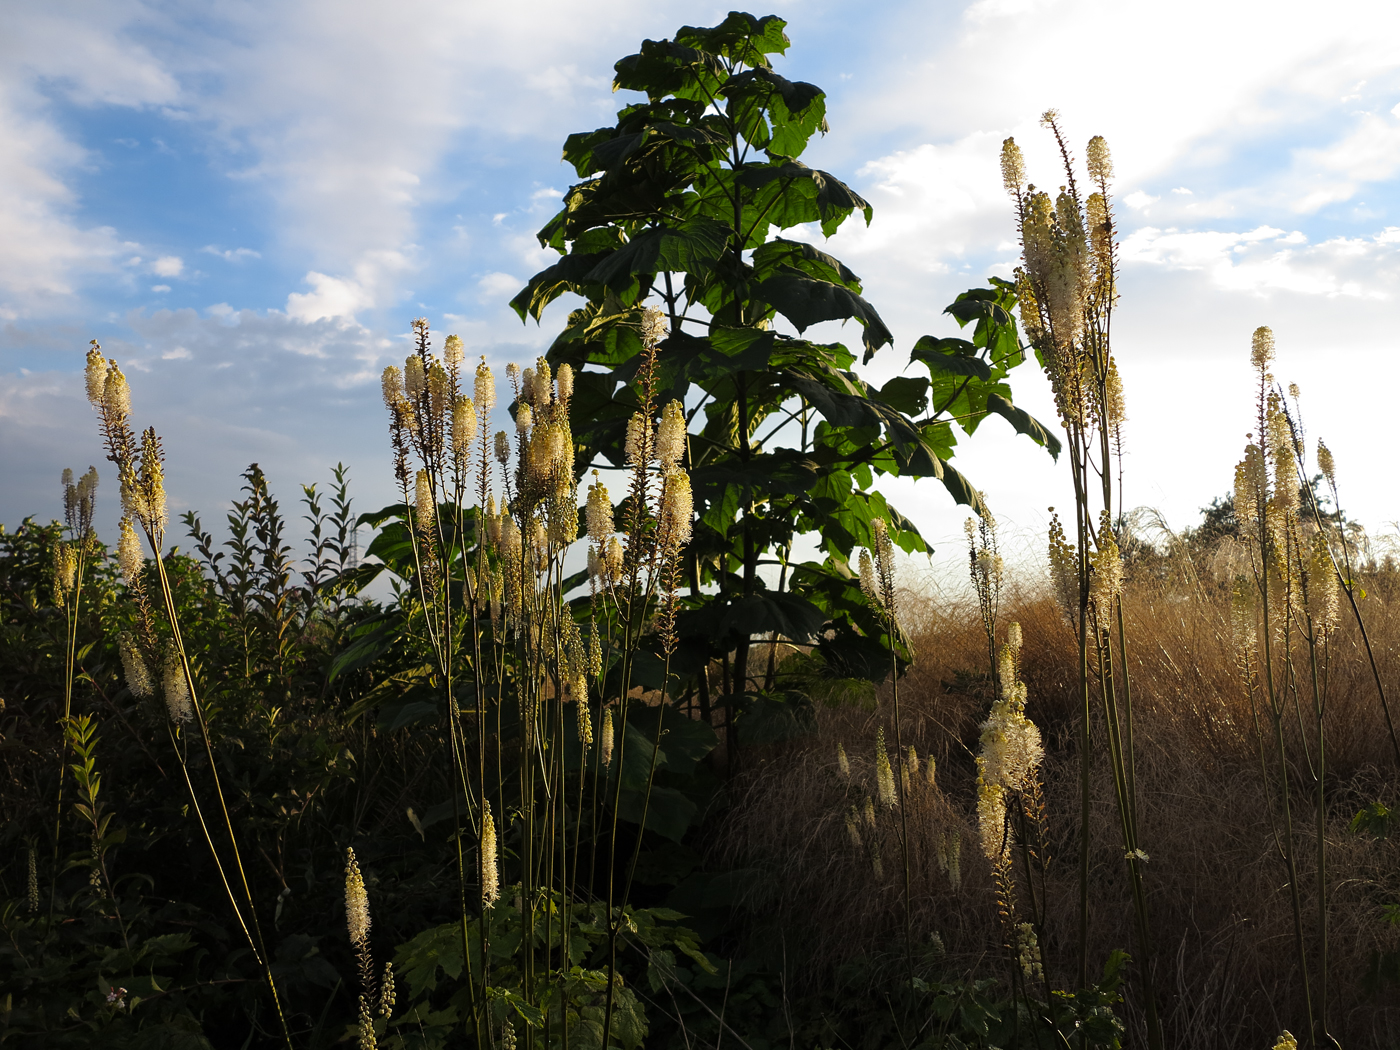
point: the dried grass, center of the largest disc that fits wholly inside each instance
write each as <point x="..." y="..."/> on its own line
<point x="1224" y="959"/>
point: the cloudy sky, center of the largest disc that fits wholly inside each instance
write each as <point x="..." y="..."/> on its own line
<point x="248" y="202"/>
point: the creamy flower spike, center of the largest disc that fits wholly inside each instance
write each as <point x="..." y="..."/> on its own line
<point x="490" y="868"/>
<point x="464" y="424"/>
<point x="853" y="827"/>
<point x="1013" y="167"/>
<point x="585" y="722"/>
<point x="1261" y="353"/>
<point x="151" y="479"/>
<point x="423" y="499"/>
<point x="129" y="556"/>
<point x="653" y="326"/>
<point x="599" y="513"/>
<point x="356" y="901"/>
<point x="1010" y="752"/>
<point x="391" y="385"/>
<point x="138" y="678"/>
<point x="414" y="377"/>
<point x="1098" y="161"/>
<point x="677" y="510"/>
<point x="884" y="773"/>
<point x="484" y="390"/>
<point x="542" y="391"/>
<point x="1322" y="587"/>
<point x="595" y="654"/>
<point x="639" y="445"/>
<point x="605" y="745"/>
<point x="177" y="692"/>
<point x="452" y="352"/>
<point x="116" y="394"/>
<point x="670" y="437"/>
<point x="867" y="579"/>
<point x="439" y="388"/>
<point x="95" y="374"/>
<point x="1326" y="463"/>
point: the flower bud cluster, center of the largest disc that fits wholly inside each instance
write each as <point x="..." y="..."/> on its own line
<point x="1064" y="568"/>
<point x="1106" y="578"/>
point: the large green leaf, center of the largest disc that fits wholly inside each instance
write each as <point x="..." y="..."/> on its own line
<point x="1024" y="423"/>
<point x="794" y="193"/>
<point x="775" y="113"/>
<point x="569" y="274"/>
<point x="692" y="247"/>
<point x="741" y="37"/>
<point x="667" y="810"/>
<point x="806" y="300"/>
<point x="738" y="619"/>
<point x="907" y="394"/>
<point x="955" y="357"/>
<point x="780" y="253"/>
<point x="665" y="68"/>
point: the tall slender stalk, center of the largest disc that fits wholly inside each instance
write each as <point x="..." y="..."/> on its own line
<point x="507" y="571"/>
<point x="877" y="577"/>
<point x="1067" y="290"/>
<point x="1291" y="589"/>
<point x="70" y="566"/>
<point x="141" y="472"/>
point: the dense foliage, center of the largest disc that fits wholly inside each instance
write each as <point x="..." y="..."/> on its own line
<point x="689" y="199"/>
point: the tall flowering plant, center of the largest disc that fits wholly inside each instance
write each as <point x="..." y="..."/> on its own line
<point x="542" y="701"/>
<point x="1067" y="288"/>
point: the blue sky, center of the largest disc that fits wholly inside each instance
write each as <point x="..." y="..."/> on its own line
<point x="247" y="203"/>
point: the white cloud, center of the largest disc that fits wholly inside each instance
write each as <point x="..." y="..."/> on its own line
<point x="168" y="266"/>
<point x="160" y="287"/>
<point x="1370" y="153"/>
<point x="80" y="52"/>
<point x="224" y="388"/>
<point x="372" y="284"/>
<point x="933" y="203"/>
<point x="332" y="297"/>
<point x="1267" y="259"/>
<point x="231" y="254"/>
<point x="498" y="287"/>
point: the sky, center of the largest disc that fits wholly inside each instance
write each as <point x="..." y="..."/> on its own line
<point x="247" y="203"/>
